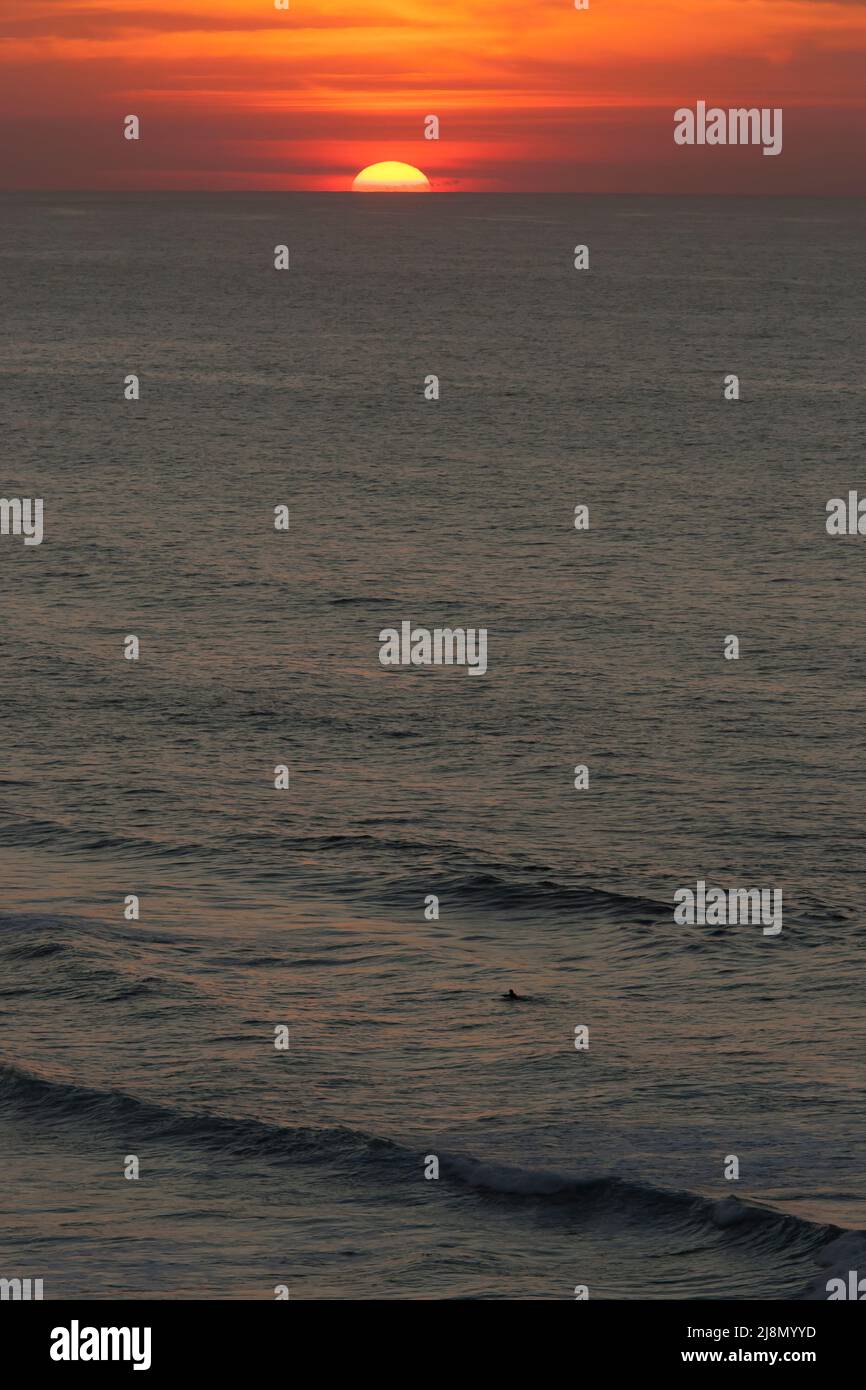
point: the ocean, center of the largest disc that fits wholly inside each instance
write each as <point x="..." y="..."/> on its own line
<point x="560" y="1168"/>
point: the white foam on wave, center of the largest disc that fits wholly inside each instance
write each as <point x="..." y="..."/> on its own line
<point x="730" y="1211"/>
<point x="839" y="1257"/>
<point x="503" y="1177"/>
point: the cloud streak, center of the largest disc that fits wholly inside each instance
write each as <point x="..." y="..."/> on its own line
<point x="333" y="82"/>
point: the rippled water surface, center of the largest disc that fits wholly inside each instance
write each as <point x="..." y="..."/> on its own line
<point x="306" y="907"/>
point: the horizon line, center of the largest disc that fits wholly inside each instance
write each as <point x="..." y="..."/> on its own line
<point x="369" y="195"/>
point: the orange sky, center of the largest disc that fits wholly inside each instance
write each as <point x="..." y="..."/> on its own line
<point x="531" y="94"/>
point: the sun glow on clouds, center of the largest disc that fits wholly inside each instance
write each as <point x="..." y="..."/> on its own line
<point x="235" y="93"/>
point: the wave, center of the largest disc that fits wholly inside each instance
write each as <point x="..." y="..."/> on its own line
<point x="603" y="1193"/>
<point x="29" y="1095"/>
<point x="385" y="1162"/>
<point x="361" y="866"/>
<point x="517" y="889"/>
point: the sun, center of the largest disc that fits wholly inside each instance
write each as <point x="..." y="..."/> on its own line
<point x="391" y="177"/>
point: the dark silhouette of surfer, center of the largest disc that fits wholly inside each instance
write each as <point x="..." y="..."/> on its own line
<point x="512" y="995"/>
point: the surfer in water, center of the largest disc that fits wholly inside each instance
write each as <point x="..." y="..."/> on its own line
<point x="512" y="995"/>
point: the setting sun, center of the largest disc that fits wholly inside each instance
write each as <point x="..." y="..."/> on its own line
<point x="391" y="177"/>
